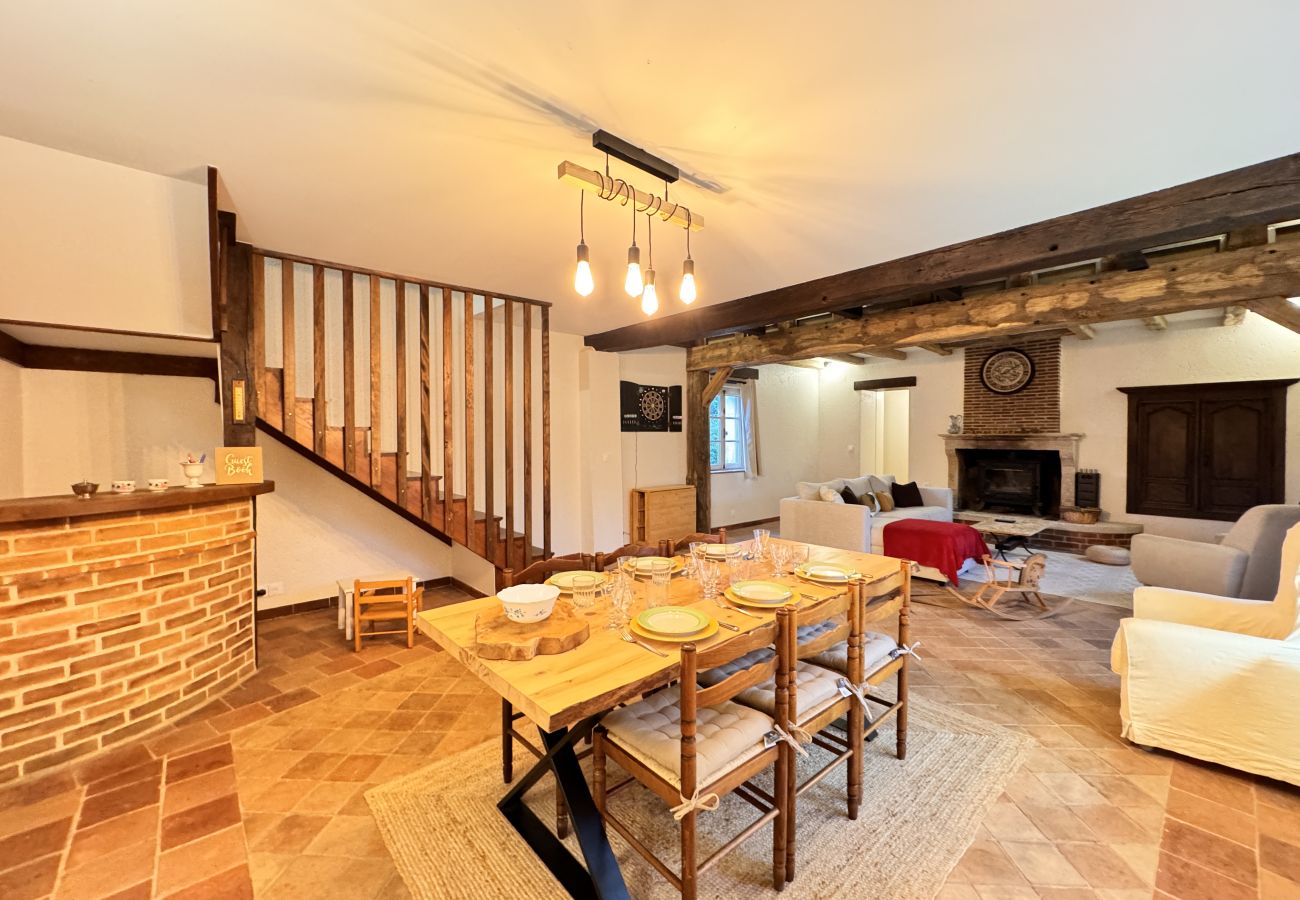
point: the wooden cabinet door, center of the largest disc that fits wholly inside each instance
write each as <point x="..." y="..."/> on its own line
<point x="1162" y="457"/>
<point x="1236" y="456"/>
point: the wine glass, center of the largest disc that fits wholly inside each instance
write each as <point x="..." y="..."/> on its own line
<point x="780" y="553"/>
<point x="709" y="573"/>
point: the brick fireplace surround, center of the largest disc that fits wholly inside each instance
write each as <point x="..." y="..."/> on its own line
<point x="119" y="615"/>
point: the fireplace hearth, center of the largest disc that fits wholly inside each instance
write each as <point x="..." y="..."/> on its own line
<point x="1011" y="481"/>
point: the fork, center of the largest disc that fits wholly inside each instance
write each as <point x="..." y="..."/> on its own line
<point x="627" y="636"/>
<point x="735" y="609"/>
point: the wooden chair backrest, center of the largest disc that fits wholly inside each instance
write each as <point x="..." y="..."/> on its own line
<point x="702" y="537"/>
<point x="846" y="610"/>
<point x="694" y="697"/>
<point x="384" y="591"/>
<point x="544" y="569"/>
<point x="636" y="548"/>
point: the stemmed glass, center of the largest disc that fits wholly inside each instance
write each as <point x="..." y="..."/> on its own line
<point x="798" y="555"/>
<point x="780" y="553"/>
<point x="694" y="557"/>
<point x="709" y="574"/>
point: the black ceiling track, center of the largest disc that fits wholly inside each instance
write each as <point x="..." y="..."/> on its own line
<point x="646" y="162"/>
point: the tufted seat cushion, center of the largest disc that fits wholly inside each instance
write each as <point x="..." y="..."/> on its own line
<point x="876" y="650"/>
<point x="815" y="687"/>
<point x="726" y="735"/>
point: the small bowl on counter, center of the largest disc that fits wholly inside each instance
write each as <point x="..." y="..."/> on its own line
<point x="528" y="602"/>
<point x="85" y="489"/>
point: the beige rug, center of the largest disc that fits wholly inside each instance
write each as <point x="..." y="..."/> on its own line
<point x="448" y="840"/>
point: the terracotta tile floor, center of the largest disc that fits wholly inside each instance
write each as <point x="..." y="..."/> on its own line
<point x="262" y="793"/>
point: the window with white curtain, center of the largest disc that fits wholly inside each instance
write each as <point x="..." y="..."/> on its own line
<point x="726" y="435"/>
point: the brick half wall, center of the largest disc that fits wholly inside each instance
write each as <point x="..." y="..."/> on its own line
<point x="114" y="625"/>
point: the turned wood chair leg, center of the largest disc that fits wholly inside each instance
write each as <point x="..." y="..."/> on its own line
<point x="689" y="874"/>
<point x="856" y="727"/>
<point x="900" y="723"/>
<point x="791" y="814"/>
<point x="356" y="622"/>
<point x="780" y="826"/>
<point x="507" y="742"/>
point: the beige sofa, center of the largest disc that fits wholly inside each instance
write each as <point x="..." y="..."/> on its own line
<point x="1243" y="564"/>
<point x="1216" y="678"/>
<point x="849" y="526"/>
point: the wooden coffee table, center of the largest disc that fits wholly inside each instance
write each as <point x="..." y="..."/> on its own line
<point x="1012" y="535"/>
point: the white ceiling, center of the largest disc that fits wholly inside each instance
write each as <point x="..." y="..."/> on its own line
<point x="422" y="137"/>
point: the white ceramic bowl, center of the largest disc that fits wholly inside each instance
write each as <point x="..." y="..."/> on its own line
<point x="528" y="602"/>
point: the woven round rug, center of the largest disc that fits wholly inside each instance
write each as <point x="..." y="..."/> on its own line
<point x="448" y="839"/>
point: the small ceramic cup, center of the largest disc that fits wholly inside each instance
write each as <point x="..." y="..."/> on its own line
<point x="157" y="484"/>
<point x="123" y="487"/>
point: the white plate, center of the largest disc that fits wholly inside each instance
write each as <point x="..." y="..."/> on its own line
<point x="762" y="591"/>
<point x="674" y="620"/>
<point x="721" y="551"/>
<point x="823" y="572"/>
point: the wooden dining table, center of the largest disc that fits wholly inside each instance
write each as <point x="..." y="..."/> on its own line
<point x="565" y="694"/>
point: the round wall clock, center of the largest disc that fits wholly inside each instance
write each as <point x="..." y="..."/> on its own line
<point x="1007" y="371"/>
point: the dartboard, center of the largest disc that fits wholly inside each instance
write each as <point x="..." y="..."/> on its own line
<point x="1007" y="371"/>
<point x="652" y="405"/>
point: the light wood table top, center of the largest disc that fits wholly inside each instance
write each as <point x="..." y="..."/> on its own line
<point x="560" y="690"/>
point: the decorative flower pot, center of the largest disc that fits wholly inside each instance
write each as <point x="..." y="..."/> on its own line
<point x="192" y="472"/>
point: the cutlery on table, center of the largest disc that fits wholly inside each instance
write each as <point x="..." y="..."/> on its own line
<point x="735" y="609"/>
<point x="627" y="636"/>
<point x="728" y="625"/>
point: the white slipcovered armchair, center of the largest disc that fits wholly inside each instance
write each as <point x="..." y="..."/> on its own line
<point x="1216" y="678"/>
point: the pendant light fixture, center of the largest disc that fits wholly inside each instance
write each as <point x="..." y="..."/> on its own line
<point x="686" y="293"/>
<point x="582" y="281"/>
<point x="649" y="298"/>
<point x="633" y="283"/>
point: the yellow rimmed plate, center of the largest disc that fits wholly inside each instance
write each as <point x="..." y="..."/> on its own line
<point x="824" y="573"/>
<point x="709" y="631"/>
<point x="564" y="580"/>
<point x="672" y="621"/>
<point x="721" y="551"/>
<point x="750" y="604"/>
<point x="640" y="566"/>
<point x="762" y="593"/>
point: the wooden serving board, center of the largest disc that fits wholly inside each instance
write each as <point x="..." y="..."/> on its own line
<point x="496" y="637"/>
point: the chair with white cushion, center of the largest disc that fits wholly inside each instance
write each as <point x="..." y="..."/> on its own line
<point x="818" y="697"/>
<point x="692" y="745"/>
<point x="1216" y="678"/>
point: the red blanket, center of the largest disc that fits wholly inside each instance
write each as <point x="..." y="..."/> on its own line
<point x="942" y="545"/>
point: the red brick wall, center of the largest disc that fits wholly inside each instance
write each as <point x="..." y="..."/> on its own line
<point x="1034" y="410"/>
<point x="111" y="626"/>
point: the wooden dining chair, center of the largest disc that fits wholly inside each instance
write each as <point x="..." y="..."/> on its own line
<point x="636" y="548"/>
<point x="385" y="601"/>
<point x="702" y="537"/>
<point x="721" y="745"/>
<point x="816" y="698"/>
<point x="883" y="657"/>
<point x="536" y="573"/>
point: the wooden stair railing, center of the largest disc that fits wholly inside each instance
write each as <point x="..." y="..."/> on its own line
<point x="372" y="441"/>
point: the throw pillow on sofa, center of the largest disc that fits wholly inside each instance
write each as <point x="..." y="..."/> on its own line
<point x="847" y="496"/>
<point x="885" y="500"/>
<point x="811" y="490"/>
<point x="830" y="495"/>
<point x="907" y="495"/>
<point x="870" y="501"/>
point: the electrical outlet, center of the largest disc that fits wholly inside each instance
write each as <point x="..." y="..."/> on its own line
<point x="274" y="589"/>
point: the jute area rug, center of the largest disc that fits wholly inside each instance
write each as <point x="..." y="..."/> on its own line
<point x="448" y="839"/>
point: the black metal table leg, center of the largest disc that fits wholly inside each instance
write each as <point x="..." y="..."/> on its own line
<point x="601" y="877"/>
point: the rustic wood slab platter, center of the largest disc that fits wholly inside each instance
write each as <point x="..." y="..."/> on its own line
<point x="496" y="637"/>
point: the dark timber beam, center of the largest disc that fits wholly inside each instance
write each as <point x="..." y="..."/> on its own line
<point x="885" y="384"/>
<point x="1221" y="279"/>
<point x="113" y="362"/>
<point x="1279" y="310"/>
<point x="1260" y="194"/>
<point x="698" y="471"/>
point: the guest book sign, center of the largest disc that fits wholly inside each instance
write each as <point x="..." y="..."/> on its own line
<point x="239" y="465"/>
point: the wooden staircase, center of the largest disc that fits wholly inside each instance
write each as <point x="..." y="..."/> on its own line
<point x="486" y="507"/>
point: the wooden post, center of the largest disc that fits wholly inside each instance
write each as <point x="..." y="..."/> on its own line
<point x="289" y="370"/>
<point x="546" y="432"/>
<point x="400" y="340"/>
<point x="528" y="433"/>
<point x="510" y="430"/>
<point x="237" y="289"/>
<point x="376" y="372"/>
<point x="318" y="358"/>
<point x="426" y="397"/>
<point x="489" y="436"/>
<point x="448" y="461"/>
<point x="349" y="376"/>
<point x="257" y="329"/>
<point x="697" y="447"/>
<point x="468" y="327"/>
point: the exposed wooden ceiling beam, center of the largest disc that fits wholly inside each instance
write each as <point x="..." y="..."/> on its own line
<point x="847" y="359"/>
<point x="715" y="384"/>
<point x="802" y="363"/>
<point x="1155" y="323"/>
<point x="1083" y="332"/>
<point x="1221" y="279"/>
<point x="1279" y="310"/>
<point x="1259" y="194"/>
<point x="937" y="349"/>
<point x="885" y="353"/>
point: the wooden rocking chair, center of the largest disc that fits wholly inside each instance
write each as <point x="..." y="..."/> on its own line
<point x="1025" y="588"/>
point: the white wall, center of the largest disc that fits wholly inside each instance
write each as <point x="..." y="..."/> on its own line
<point x="651" y="458"/>
<point x="11" y="430"/>
<point x="99" y="245"/>
<point x="787" y="419"/>
<point x="313" y="530"/>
